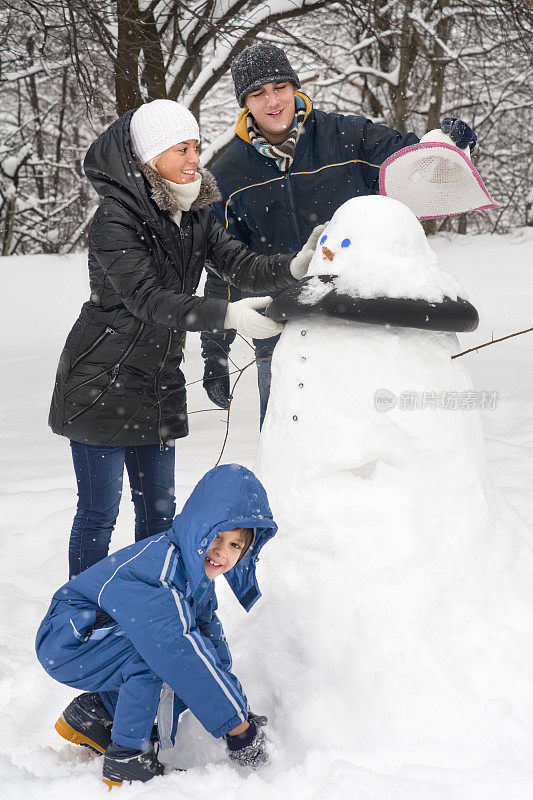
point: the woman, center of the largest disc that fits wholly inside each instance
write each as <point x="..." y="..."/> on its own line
<point x="119" y="394"/>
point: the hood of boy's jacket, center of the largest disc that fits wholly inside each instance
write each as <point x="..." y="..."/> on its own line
<point x="227" y="497"/>
<point x="112" y="171"/>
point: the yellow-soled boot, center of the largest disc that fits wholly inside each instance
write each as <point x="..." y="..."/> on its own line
<point x="124" y="764"/>
<point x="86" y="722"/>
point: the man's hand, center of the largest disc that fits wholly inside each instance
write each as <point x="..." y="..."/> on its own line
<point x="216" y="380"/>
<point x="300" y="263"/>
<point x="460" y="133"/>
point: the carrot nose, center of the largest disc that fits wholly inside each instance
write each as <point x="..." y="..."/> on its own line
<point x="329" y="254"/>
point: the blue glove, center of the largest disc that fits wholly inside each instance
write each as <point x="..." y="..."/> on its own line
<point x="216" y="380"/>
<point x="459" y="132"/>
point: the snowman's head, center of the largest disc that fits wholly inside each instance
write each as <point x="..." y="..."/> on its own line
<point x="378" y="248"/>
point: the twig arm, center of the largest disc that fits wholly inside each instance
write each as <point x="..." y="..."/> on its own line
<point x="493" y="341"/>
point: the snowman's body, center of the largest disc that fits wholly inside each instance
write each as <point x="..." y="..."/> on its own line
<point x="328" y="416"/>
<point x="402" y="588"/>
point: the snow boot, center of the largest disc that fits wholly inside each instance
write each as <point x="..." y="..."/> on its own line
<point x="86" y="722"/>
<point x="123" y="764"/>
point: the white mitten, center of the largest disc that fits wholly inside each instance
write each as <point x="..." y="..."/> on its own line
<point x="242" y="317"/>
<point x="300" y="263"/>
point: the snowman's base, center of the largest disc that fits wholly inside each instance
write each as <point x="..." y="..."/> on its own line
<point x="448" y="315"/>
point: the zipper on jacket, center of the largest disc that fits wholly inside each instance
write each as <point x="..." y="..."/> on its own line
<point x="114" y="374"/>
<point x="89" y="380"/>
<point x="114" y="370"/>
<point x="294" y="216"/>
<point x="182" y="237"/>
<point x="132" y="345"/>
<point x="158" y="399"/>
<point x="102" y="336"/>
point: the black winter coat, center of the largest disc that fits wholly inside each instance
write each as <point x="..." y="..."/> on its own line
<point x="119" y="380"/>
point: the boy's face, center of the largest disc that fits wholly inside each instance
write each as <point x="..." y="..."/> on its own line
<point x="224" y="552"/>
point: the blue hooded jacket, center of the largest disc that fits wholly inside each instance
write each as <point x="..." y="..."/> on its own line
<point x="158" y="593"/>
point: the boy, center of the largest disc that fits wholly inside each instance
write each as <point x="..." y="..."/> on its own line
<point x="139" y="633"/>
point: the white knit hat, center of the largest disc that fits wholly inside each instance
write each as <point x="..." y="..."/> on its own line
<point x="434" y="178"/>
<point x="158" y="125"/>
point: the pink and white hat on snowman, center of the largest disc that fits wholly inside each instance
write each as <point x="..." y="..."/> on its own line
<point x="434" y="178"/>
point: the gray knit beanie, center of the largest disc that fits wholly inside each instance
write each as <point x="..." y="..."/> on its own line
<point x="259" y="64"/>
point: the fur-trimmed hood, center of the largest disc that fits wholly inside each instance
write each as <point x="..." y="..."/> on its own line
<point x="167" y="201"/>
<point x="114" y="172"/>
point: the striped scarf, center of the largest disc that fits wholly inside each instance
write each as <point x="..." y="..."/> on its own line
<point x="283" y="153"/>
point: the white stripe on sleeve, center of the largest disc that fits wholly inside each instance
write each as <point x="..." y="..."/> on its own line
<point x="201" y="655"/>
<point x="124" y="564"/>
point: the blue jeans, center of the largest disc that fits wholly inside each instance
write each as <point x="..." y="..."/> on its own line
<point x="263" y="352"/>
<point x="99" y="473"/>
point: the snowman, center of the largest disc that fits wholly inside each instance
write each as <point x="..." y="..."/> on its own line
<point x="343" y="389"/>
<point x="399" y="625"/>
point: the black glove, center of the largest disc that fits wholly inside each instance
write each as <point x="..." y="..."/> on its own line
<point x="216" y="380"/>
<point x="459" y="132"/>
<point x="249" y="748"/>
<point x="259" y="719"/>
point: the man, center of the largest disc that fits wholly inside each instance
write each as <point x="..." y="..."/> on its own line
<point x="289" y="169"/>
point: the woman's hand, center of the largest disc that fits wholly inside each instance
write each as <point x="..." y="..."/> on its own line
<point x="243" y="317"/>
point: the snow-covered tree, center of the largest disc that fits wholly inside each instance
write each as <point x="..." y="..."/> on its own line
<point x="68" y="67"/>
<point x="409" y="63"/>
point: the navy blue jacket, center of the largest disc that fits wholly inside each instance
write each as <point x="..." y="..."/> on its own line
<point x="158" y="593"/>
<point x="337" y="157"/>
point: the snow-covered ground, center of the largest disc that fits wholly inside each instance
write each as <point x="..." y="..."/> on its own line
<point x="41" y="296"/>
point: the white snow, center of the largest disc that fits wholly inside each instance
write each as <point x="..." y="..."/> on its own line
<point x="373" y="259"/>
<point x="313" y="291"/>
<point x="329" y="741"/>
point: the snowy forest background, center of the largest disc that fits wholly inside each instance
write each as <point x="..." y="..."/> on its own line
<point x="69" y="67"/>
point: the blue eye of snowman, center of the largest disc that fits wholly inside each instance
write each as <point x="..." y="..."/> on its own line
<point x="345" y="243"/>
<point x="323" y="239"/>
